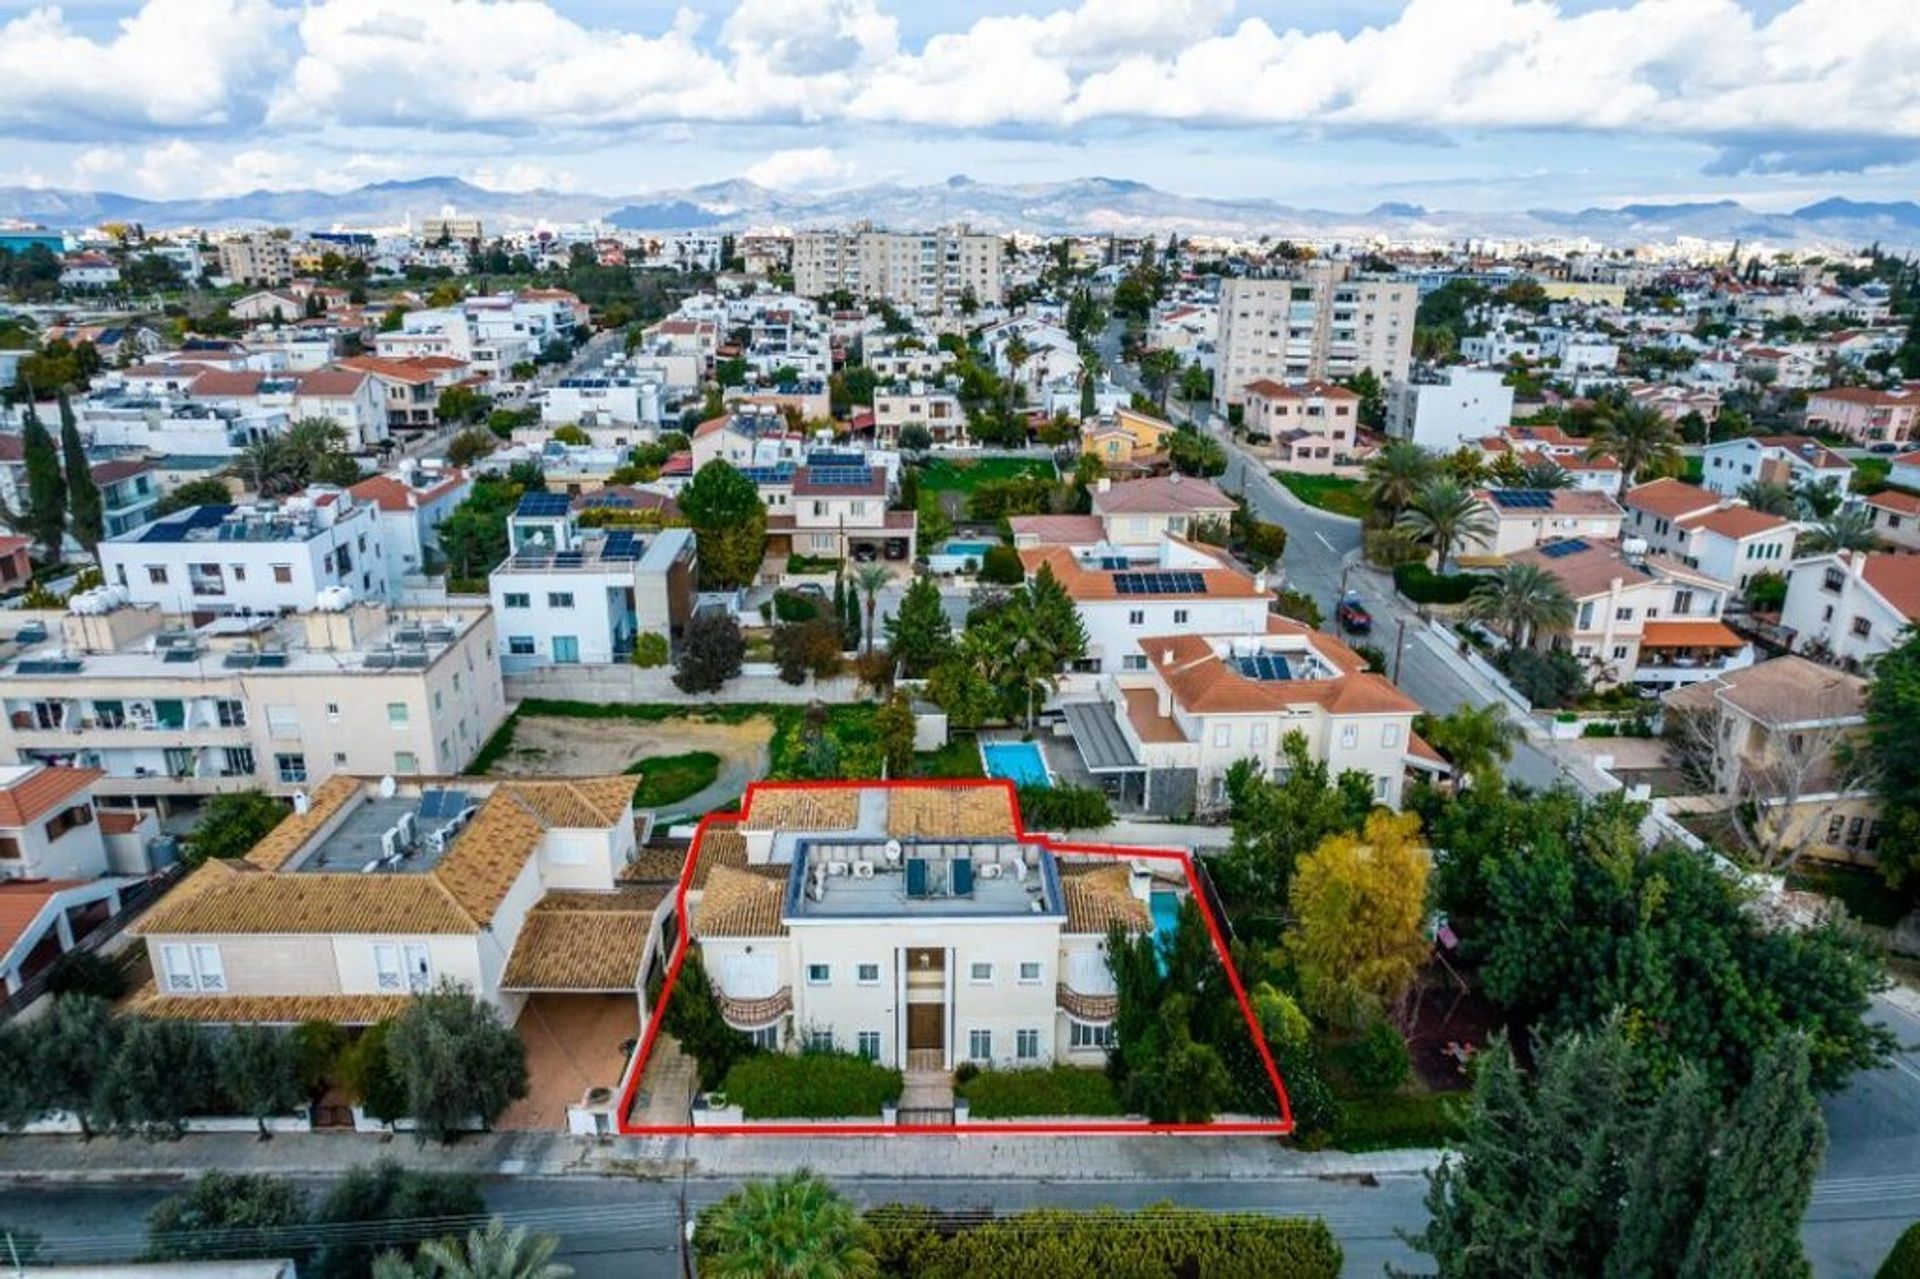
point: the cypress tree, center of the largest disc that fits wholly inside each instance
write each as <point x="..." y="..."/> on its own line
<point x="1761" y="1177"/>
<point x="1665" y="1179"/>
<point x="45" y="519"/>
<point x="84" y="506"/>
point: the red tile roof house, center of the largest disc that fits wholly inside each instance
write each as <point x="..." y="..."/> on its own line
<point x="16" y="568"/>
<point x="413" y="504"/>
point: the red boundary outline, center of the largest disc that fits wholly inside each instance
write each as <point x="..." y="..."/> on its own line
<point x="1282" y="1126"/>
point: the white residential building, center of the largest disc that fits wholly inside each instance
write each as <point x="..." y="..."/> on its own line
<point x="1145" y="512"/>
<point x="1449" y="408"/>
<point x="1526" y="518"/>
<point x="1790" y="461"/>
<point x="1123" y="593"/>
<point x="412" y="503"/>
<point x="1851" y="607"/>
<point x="610" y="399"/>
<point x="262" y="558"/>
<point x="569" y="594"/>
<point x="931" y="272"/>
<point x="937" y="408"/>
<point x="1728" y="541"/>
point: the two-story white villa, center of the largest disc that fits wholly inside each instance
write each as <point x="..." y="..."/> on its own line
<point x="1124" y="594"/>
<point x="915" y="924"/>
<point x="1524" y="518"/>
<point x="1851" y="606"/>
<point x="1728" y="541"/>
<point x="1790" y="461"/>
<point x="1142" y="512"/>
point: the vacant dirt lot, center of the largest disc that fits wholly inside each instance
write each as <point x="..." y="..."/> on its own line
<point x="560" y="746"/>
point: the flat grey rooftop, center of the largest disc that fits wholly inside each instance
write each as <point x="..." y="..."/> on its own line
<point x="356" y="841"/>
<point x="1008" y="880"/>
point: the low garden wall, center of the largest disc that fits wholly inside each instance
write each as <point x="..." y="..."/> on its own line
<point x="757" y="682"/>
<point x="62" y="1124"/>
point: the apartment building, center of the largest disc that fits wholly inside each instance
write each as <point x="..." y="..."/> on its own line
<point x="1325" y="323"/>
<point x="1306" y="428"/>
<point x="1638" y="619"/>
<point x="1865" y="415"/>
<point x="1790" y="461"/>
<point x="491" y="334"/>
<point x="165" y="708"/>
<point x="262" y="260"/>
<point x="605" y="399"/>
<point x="570" y="593"/>
<point x="1728" y="541"/>
<point x="1445" y="409"/>
<point x="1174" y="586"/>
<point x="913" y="923"/>
<point x="929" y="272"/>
<point x="1850" y="606"/>
<point x="1164" y="731"/>
<point x="258" y="558"/>
<point x="374" y="890"/>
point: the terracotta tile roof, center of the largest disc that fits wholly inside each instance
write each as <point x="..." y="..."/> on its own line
<point x="1585" y="573"/>
<point x="935" y="812"/>
<point x="21" y="902"/>
<point x="391" y="493"/>
<point x="330" y="384"/>
<point x="1781" y="691"/>
<point x="1736" y="522"/>
<point x="1807" y="449"/>
<point x="1419" y="747"/>
<point x="118" y="469"/>
<point x="1671" y="499"/>
<point x="1268" y="389"/>
<point x="656" y="865"/>
<point x="1867" y="395"/>
<point x="41" y="791"/>
<point x="800" y="808"/>
<point x="342" y="1010"/>
<point x="1100" y="897"/>
<point x="1062" y="530"/>
<point x="1695" y="634"/>
<point x="578" y="803"/>
<point x="1143" y="712"/>
<point x="583" y="941"/>
<point x="223" y="383"/>
<point x="1564" y="502"/>
<point x="1897" y="502"/>
<point x="1204" y="684"/>
<point x="295" y="829"/>
<point x="9" y="543"/>
<point x="1897" y="579"/>
<point x="1164" y="494"/>
<point x="1080" y="583"/>
<point x="737" y="903"/>
<point x="421" y="370"/>
<point x="712" y="425"/>
<point x="238" y="897"/>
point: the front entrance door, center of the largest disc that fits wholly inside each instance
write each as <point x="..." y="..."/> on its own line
<point x="926" y="1027"/>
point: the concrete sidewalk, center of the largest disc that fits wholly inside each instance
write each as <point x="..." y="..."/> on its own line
<point x="43" y="1160"/>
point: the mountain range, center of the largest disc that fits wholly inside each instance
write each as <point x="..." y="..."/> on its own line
<point x="1081" y="205"/>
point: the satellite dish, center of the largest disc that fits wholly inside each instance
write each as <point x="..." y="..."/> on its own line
<point x="387" y="786"/>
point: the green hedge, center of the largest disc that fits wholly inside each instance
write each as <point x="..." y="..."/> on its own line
<point x="1423" y="586"/>
<point x="1064" y="808"/>
<point x="1418" y="1121"/>
<point x="1053" y="1090"/>
<point x="1904" y="1261"/>
<point x="811" y="1085"/>
<point x="1164" y="1240"/>
<point x="668" y="779"/>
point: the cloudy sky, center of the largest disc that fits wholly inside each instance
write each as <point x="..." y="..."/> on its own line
<point x="1458" y="104"/>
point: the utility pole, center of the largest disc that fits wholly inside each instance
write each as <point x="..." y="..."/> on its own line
<point x="1399" y="646"/>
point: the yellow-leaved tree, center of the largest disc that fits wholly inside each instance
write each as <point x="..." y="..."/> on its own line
<point x="1359" y="907"/>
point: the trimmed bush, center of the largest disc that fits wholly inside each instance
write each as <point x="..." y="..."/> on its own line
<point x="1002" y="566"/>
<point x="1052" y="1090"/>
<point x="1393" y="1122"/>
<point x="1162" y="1240"/>
<point x="650" y="648"/>
<point x="791" y="606"/>
<point x="1904" y="1261"/>
<point x="812" y="1085"/>
<point x="1064" y="808"/>
<point x="1423" y="586"/>
<point x="1378" y="1060"/>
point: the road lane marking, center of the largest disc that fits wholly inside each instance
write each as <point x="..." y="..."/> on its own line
<point x="1324" y="542"/>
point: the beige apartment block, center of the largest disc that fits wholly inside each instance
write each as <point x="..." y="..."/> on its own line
<point x="257" y="259"/>
<point x="168" y="710"/>
<point x="928" y="271"/>
<point x="1324" y="322"/>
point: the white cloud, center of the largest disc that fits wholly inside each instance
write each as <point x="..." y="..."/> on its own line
<point x="1786" y="90"/>
<point x="800" y="167"/>
<point x="175" y="64"/>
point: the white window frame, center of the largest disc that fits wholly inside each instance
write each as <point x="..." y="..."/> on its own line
<point x="1026" y="1045"/>
<point x="819" y="974"/>
<point x="979" y="1045"/>
<point x="980" y="973"/>
<point x="1349" y="736"/>
<point x="1081" y="1035"/>
<point x="867" y="1044"/>
<point x="389" y="966"/>
<point x="860" y="974"/>
<point x="193" y="966"/>
<point x="1038" y="972"/>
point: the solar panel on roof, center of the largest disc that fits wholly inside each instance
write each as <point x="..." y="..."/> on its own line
<point x="1522" y="499"/>
<point x="569" y="559"/>
<point x="1264" y="666"/>
<point x="542" y="505"/>
<point x="433" y="803"/>
<point x="1181" y="583"/>
<point x="47" y="666"/>
<point x="1560" y="550"/>
<point x="1115" y="563"/>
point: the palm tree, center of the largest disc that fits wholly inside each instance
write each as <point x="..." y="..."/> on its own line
<point x="1544" y="473"/>
<point x="492" y="1253"/>
<point x="1639" y="437"/>
<point x="1770" y="499"/>
<point x="1525" y="601"/>
<point x="1815" y="501"/>
<point x="1476" y="741"/>
<point x="870" y="580"/>
<point x="1847" y="530"/>
<point x="1444" y="514"/>
<point x="793" y="1227"/>
<point x="1395" y="474"/>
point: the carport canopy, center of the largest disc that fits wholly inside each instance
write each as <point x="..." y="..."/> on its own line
<point x="1097" y="736"/>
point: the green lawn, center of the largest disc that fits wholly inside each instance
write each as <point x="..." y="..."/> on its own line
<point x="960" y="757"/>
<point x="668" y="779"/>
<point x="942" y="475"/>
<point x="1328" y="492"/>
<point x="1693" y="468"/>
<point x="1038" y="1093"/>
<point x="1399" y="1121"/>
<point x="1870" y="474"/>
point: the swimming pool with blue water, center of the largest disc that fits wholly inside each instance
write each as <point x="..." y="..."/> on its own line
<point x="1019" y="762"/>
